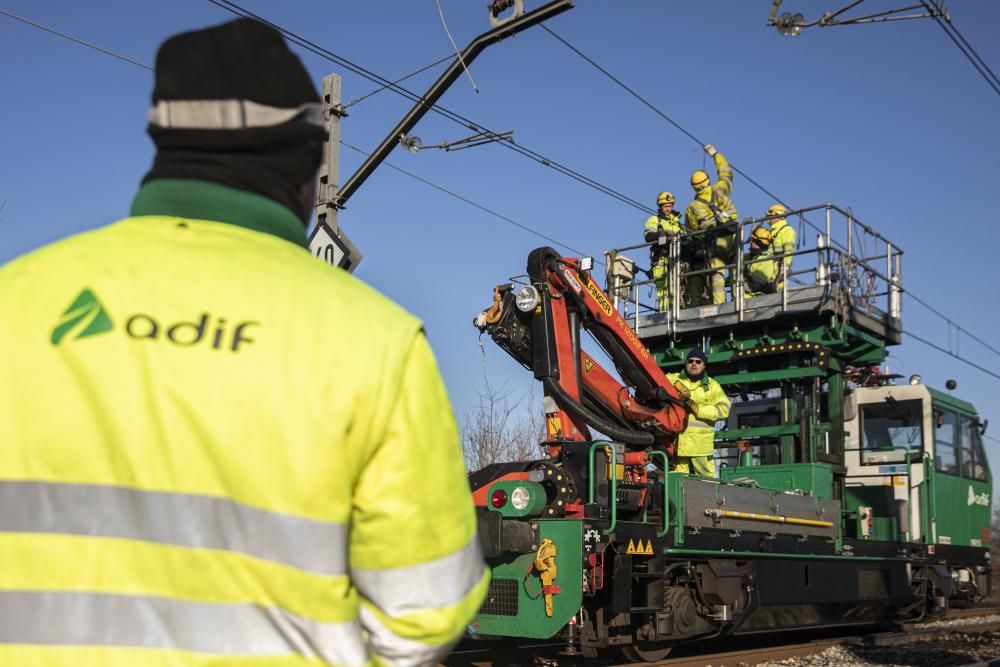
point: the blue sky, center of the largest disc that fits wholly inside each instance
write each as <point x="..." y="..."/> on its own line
<point x="888" y="119"/>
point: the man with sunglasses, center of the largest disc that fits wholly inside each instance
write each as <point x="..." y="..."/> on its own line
<point x="707" y="404"/>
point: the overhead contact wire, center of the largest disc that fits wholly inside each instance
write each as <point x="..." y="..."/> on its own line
<point x="76" y="40"/>
<point x="952" y="354"/>
<point x="423" y="180"/>
<point x="399" y="169"/>
<point x="442" y="111"/>
<point x="655" y="110"/>
<point x="970" y="53"/>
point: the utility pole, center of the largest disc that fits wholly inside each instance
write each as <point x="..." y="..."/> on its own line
<point x="328" y="241"/>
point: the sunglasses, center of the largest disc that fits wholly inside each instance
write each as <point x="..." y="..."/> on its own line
<point x="695" y="361"/>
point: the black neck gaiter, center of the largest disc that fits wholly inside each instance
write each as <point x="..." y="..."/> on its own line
<point x="272" y="161"/>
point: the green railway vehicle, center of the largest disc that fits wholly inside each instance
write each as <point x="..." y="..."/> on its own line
<point x="846" y="495"/>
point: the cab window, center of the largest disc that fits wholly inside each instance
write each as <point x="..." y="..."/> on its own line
<point x="945" y="441"/>
<point x="891" y="424"/>
<point x="973" y="460"/>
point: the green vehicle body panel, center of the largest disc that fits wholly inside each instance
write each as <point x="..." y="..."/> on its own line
<point x="812" y="479"/>
<point x="531" y="621"/>
<point x="962" y="510"/>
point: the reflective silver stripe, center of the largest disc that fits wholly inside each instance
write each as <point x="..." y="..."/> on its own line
<point x="697" y="423"/>
<point x="99" y="619"/>
<point x="180" y="519"/>
<point x="719" y="408"/>
<point x="432" y="585"/>
<point x="398" y="651"/>
<point x="235" y="114"/>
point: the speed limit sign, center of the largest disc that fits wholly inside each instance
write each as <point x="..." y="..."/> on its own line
<point x="334" y="248"/>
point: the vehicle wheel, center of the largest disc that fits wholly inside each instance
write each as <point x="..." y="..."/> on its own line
<point x="645" y="652"/>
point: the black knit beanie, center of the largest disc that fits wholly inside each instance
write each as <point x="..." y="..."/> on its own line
<point x="246" y="66"/>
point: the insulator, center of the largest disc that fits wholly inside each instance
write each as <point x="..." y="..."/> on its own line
<point x="498" y="6"/>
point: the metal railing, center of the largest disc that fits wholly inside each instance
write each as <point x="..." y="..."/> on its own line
<point x="852" y="263"/>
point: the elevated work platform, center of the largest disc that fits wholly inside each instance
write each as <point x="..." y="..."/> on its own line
<point x="843" y="290"/>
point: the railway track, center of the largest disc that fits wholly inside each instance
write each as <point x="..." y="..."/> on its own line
<point x="739" y="651"/>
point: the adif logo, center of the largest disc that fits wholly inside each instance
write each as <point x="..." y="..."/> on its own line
<point x="978" y="499"/>
<point x="85" y="316"/>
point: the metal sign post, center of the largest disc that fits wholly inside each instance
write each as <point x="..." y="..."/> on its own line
<point x="328" y="241"/>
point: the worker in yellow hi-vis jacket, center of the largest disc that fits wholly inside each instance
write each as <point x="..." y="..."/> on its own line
<point x="713" y="207"/>
<point x="707" y="403"/>
<point x="216" y="448"/>
<point x="783" y="237"/>
<point x="659" y="228"/>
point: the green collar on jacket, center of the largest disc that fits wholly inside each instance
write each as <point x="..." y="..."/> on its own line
<point x="703" y="380"/>
<point x="202" y="200"/>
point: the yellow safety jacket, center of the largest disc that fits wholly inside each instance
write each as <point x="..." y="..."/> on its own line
<point x="219" y="450"/>
<point x="698" y="439"/>
<point x="760" y="271"/>
<point x="783" y="240"/>
<point x="714" y="206"/>
<point x="670" y="224"/>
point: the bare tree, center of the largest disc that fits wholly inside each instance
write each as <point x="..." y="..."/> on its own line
<point x="501" y="428"/>
<point x="995" y="555"/>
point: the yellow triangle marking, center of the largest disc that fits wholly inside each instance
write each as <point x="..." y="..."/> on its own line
<point x="631" y="547"/>
<point x="649" y="548"/>
<point x="587" y="365"/>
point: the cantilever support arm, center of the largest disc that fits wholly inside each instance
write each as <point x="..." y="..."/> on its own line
<point x="434" y="93"/>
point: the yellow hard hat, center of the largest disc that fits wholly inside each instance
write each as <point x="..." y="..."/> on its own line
<point x="761" y="236"/>
<point x="777" y="209"/>
<point x="699" y="180"/>
<point x="665" y="198"/>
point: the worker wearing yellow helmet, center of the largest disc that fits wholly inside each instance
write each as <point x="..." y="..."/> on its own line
<point x="659" y="228"/>
<point x="760" y="269"/>
<point x="713" y="207"/>
<point x="782" y="237"/>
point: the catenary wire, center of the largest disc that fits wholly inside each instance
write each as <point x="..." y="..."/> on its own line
<point x="403" y="78"/>
<point x="450" y="115"/>
<point x="354" y="148"/>
<point x="952" y="323"/>
<point x="501" y="216"/>
<point x="657" y="111"/>
<point x="690" y="135"/>
<point x="514" y="222"/>
<point x="971" y="55"/>
<point x="74" y="39"/>
<point x="952" y="354"/>
<point x="458" y="53"/>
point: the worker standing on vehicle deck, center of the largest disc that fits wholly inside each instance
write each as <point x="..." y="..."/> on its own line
<point x="659" y="229"/>
<point x="782" y="237"/>
<point x="218" y="449"/>
<point x="760" y="269"/>
<point x="707" y="403"/>
<point x="713" y="207"/>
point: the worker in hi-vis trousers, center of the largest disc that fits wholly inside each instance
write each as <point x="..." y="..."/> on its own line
<point x="659" y="229"/>
<point x="713" y="207"/>
<point x="218" y="449"/>
<point x="707" y="403"/>
<point x="783" y="237"/>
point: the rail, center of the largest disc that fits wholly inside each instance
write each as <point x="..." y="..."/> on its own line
<point x="851" y="264"/>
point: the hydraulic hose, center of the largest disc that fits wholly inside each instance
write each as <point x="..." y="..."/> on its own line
<point x="580" y="412"/>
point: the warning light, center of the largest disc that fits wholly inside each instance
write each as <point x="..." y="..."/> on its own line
<point x="499" y="498"/>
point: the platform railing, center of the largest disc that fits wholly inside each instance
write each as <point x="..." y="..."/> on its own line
<point x="852" y="262"/>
